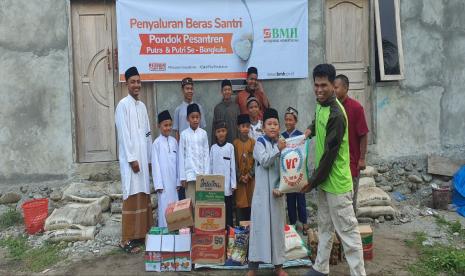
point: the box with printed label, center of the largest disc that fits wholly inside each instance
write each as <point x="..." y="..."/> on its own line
<point x="182" y="252"/>
<point x="209" y="218"/>
<point x="208" y="248"/>
<point x="209" y="188"/>
<point x="179" y="214"/>
<point x="167" y="252"/>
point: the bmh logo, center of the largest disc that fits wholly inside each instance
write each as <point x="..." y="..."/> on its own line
<point x="266" y="33"/>
<point x="281" y="34"/>
<point x="157" y="66"/>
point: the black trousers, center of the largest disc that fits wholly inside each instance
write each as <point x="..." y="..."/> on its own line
<point x="228" y="201"/>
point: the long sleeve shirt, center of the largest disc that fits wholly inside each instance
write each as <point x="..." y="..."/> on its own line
<point x="134" y="144"/>
<point x="222" y="162"/>
<point x="193" y="154"/>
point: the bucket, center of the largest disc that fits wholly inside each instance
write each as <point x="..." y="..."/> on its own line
<point x="35" y="212"/>
<point x="368" y="252"/>
<point x="441" y="197"/>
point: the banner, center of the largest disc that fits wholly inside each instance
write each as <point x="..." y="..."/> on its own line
<point x="211" y="39"/>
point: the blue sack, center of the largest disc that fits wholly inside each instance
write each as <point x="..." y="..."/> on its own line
<point x="459" y="181"/>
<point x="458" y="195"/>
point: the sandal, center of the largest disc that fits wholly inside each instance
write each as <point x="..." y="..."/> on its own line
<point x="130" y="247"/>
<point x="305" y="229"/>
<point x="280" y="272"/>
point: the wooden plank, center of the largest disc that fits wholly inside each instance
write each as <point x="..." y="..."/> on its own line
<point x="443" y="166"/>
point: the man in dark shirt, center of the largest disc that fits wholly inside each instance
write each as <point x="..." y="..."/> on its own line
<point x="358" y="130"/>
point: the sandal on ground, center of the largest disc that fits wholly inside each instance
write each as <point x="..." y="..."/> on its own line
<point x="280" y="272"/>
<point x="130" y="247"/>
<point x="251" y="273"/>
<point x="305" y="229"/>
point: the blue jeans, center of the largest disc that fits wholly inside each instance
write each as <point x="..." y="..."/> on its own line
<point x="296" y="205"/>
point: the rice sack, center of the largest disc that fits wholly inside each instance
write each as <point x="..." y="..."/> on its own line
<point x="293" y="165"/>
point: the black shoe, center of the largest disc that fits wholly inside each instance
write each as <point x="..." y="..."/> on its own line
<point x="313" y="272"/>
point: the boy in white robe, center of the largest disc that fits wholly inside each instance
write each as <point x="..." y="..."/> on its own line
<point x="266" y="243"/>
<point x="193" y="152"/>
<point x="165" y="166"/>
<point x="222" y="162"/>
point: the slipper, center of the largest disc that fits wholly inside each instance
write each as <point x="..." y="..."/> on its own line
<point x="130" y="247"/>
<point x="280" y="272"/>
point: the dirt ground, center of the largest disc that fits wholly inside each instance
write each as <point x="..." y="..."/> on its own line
<point x="391" y="257"/>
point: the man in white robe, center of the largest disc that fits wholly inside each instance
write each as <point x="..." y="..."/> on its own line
<point x="165" y="166"/>
<point x="134" y="141"/>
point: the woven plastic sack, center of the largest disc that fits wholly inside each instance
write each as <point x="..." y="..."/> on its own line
<point x="293" y="165"/>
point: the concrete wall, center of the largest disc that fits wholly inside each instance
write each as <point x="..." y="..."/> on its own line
<point x="297" y="93"/>
<point x="419" y="115"/>
<point x="425" y="113"/>
<point x="35" y="110"/>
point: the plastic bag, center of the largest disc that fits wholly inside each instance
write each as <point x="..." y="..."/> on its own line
<point x="293" y="165"/>
<point x="238" y="244"/>
<point x="294" y="245"/>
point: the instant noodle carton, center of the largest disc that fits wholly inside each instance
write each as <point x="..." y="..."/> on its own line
<point x="209" y="248"/>
<point x="209" y="218"/>
<point x="209" y="188"/>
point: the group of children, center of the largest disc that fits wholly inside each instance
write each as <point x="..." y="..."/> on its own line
<point x="246" y="151"/>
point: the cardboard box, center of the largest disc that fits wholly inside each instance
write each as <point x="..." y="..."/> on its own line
<point x="153" y="253"/>
<point x="209" y="188"/>
<point x="182" y="252"/>
<point x="208" y="248"/>
<point x="167" y="252"/>
<point x="210" y="218"/>
<point x="366" y="233"/>
<point x="179" y="214"/>
<point x="245" y="223"/>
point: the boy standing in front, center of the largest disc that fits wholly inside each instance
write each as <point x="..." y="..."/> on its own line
<point x="180" y="122"/>
<point x="268" y="214"/>
<point x="193" y="152"/>
<point x="165" y="166"/>
<point x="243" y="148"/>
<point x="222" y="162"/>
<point x="295" y="201"/>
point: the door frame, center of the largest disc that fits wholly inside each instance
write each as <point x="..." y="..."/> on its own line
<point x="371" y="79"/>
<point x="73" y="110"/>
<point x="72" y="85"/>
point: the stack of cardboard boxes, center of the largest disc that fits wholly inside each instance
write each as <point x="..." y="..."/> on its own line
<point x="209" y="238"/>
<point x="169" y="248"/>
<point x="168" y="251"/>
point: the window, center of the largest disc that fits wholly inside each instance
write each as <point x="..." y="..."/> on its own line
<point x="390" y="57"/>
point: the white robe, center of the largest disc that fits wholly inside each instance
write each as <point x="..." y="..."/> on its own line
<point x="165" y="173"/>
<point x="193" y="154"/>
<point x="134" y="142"/>
<point x="268" y="212"/>
<point x="222" y="162"/>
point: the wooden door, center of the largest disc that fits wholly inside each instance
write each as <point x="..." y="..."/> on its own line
<point x="347" y="46"/>
<point x="96" y="82"/>
<point x="93" y="81"/>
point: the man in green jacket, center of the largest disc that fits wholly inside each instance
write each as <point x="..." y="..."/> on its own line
<point x="332" y="176"/>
